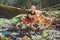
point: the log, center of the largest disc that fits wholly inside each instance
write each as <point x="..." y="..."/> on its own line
<point x="9" y="11"/>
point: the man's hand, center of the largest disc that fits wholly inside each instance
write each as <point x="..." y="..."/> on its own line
<point x="30" y="16"/>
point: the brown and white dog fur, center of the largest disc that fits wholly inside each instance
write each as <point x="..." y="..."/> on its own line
<point x="44" y="20"/>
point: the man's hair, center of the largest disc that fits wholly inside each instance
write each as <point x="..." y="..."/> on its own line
<point x="33" y="6"/>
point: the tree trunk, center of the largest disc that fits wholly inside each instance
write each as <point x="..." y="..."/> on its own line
<point x="5" y="2"/>
<point x="28" y="4"/>
<point x="40" y="4"/>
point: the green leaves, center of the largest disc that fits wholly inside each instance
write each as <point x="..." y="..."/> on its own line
<point x="2" y="20"/>
<point x="55" y="13"/>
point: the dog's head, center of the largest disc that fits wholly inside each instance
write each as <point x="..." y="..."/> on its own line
<point x="39" y="13"/>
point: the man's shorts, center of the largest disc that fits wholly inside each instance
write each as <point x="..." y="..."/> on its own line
<point x="28" y="20"/>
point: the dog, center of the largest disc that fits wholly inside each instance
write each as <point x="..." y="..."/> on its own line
<point x="44" y="21"/>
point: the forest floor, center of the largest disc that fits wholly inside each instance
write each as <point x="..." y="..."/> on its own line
<point x="12" y="26"/>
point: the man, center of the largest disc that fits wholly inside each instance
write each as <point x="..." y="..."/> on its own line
<point x="31" y="15"/>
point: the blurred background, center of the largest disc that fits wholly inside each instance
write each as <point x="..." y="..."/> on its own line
<point x="27" y="3"/>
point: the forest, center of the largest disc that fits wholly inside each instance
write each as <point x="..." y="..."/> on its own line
<point x="28" y="3"/>
<point x="13" y="28"/>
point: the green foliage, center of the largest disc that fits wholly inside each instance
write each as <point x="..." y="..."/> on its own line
<point x="16" y="18"/>
<point x="44" y="35"/>
<point x="55" y="13"/>
<point x="2" y="20"/>
<point x="4" y="38"/>
<point x="13" y="20"/>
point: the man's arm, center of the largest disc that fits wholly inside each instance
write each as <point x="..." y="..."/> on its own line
<point x="29" y="15"/>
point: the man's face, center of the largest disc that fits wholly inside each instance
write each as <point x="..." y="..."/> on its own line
<point x="33" y="8"/>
